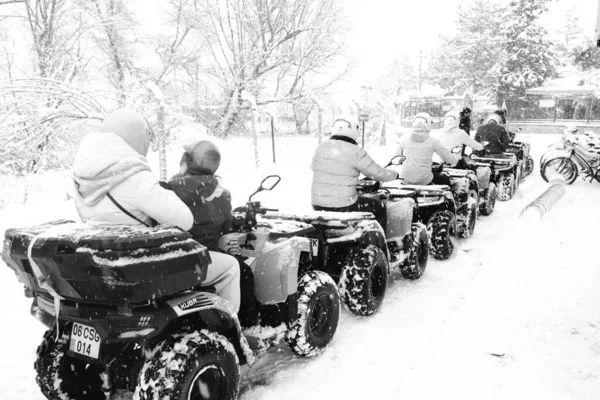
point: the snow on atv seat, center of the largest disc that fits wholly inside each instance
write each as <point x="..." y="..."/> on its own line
<point x="323" y="218"/>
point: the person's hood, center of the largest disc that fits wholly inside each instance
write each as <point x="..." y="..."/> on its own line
<point x="103" y="161"/>
<point x="191" y="188"/>
<point x="130" y="126"/>
<point x="419" y="135"/>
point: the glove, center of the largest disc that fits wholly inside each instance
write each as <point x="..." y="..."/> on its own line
<point x="461" y="164"/>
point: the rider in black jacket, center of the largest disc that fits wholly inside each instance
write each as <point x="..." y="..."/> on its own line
<point x="494" y="134"/>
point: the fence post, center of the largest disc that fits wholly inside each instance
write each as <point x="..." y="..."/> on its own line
<point x="248" y="97"/>
<point x="162" y="141"/>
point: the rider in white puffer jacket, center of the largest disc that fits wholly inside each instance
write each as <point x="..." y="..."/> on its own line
<point x="113" y="161"/>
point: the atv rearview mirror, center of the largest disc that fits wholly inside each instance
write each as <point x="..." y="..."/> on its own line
<point x="396" y="160"/>
<point x="267" y="184"/>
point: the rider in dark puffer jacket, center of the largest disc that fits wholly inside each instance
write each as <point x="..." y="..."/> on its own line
<point x="210" y="204"/>
<point x="200" y="191"/>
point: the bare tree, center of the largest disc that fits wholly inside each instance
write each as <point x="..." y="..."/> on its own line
<point x="272" y="49"/>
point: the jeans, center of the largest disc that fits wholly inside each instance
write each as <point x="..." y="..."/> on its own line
<point x="223" y="274"/>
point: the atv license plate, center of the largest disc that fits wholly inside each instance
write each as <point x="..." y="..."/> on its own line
<point x="84" y="340"/>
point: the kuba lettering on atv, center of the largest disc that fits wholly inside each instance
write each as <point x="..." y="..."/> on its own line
<point x="196" y="302"/>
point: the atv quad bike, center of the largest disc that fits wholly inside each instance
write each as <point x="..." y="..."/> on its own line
<point x="434" y="207"/>
<point x="359" y="254"/>
<point x="294" y="300"/>
<point x="482" y="181"/>
<point x="505" y="173"/>
<point x="125" y="309"/>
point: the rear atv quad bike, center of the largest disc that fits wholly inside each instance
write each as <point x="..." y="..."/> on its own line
<point x="125" y="309"/>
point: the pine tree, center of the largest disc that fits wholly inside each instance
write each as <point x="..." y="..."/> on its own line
<point x="530" y="59"/>
<point x="465" y="62"/>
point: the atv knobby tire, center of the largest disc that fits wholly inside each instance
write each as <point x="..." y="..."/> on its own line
<point x="465" y="225"/>
<point x="318" y="314"/>
<point x="416" y="243"/>
<point x="363" y="280"/>
<point x="190" y="364"/>
<point x="518" y="174"/>
<point x="61" y="377"/>
<point x="438" y="228"/>
<point x="489" y="200"/>
<point x="529" y="166"/>
<point x="506" y="186"/>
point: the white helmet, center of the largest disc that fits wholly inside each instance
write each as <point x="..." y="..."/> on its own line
<point x="425" y="117"/>
<point x="346" y="126"/>
<point x="451" y="119"/>
<point x="493" y="117"/>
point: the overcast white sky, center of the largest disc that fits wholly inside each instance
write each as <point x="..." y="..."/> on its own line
<point x="385" y="28"/>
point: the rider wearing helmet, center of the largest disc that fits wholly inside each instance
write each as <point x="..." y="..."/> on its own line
<point x="336" y="165"/>
<point x="494" y="134"/>
<point x="450" y="135"/>
<point x="418" y="148"/>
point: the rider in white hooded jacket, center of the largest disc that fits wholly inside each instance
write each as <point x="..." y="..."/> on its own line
<point x="451" y="136"/>
<point x="418" y="148"/>
<point x="113" y="162"/>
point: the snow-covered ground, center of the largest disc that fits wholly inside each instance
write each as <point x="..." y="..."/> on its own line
<point x="514" y="314"/>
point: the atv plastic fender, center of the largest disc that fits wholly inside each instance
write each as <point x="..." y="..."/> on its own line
<point x="399" y="217"/>
<point x="217" y="314"/>
<point x="363" y="233"/>
<point x="276" y="270"/>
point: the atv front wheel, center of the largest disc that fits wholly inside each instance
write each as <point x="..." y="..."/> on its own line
<point x="62" y="377"/>
<point x="506" y="187"/>
<point x="318" y="314"/>
<point x="363" y="280"/>
<point x="489" y="200"/>
<point x="190" y="365"/>
<point x="417" y="245"/>
<point x="438" y="228"/>
<point x="466" y="225"/>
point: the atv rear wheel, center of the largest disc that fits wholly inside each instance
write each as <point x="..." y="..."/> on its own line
<point x="363" y="280"/>
<point x="62" y="377"/>
<point x="506" y="186"/>
<point x="417" y="245"/>
<point x="318" y="314"/>
<point x="190" y="365"/>
<point x="489" y="200"/>
<point x="529" y="166"/>
<point x="438" y="228"/>
<point x="466" y="225"/>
